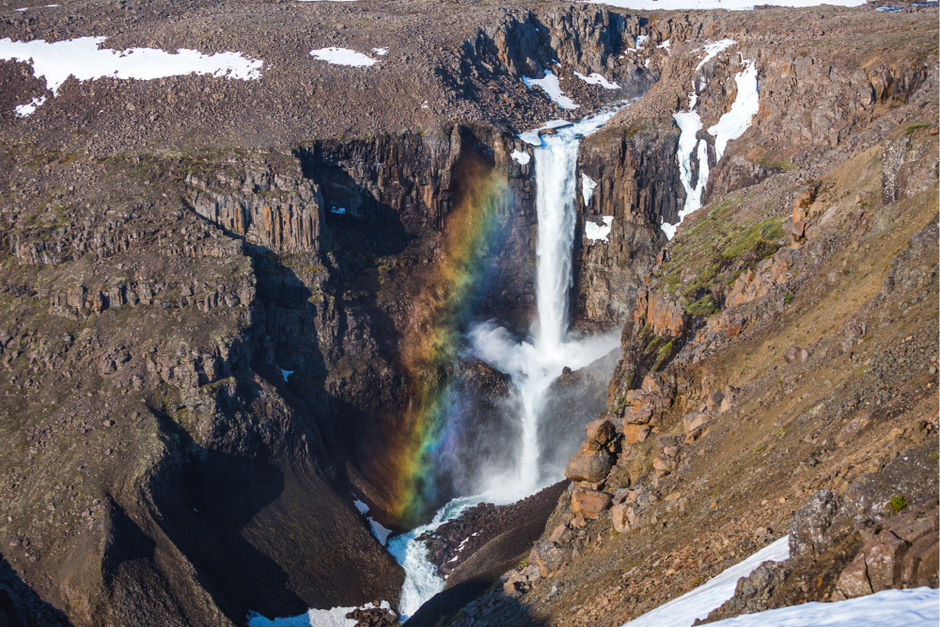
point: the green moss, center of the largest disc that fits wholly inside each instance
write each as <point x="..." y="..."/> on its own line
<point x="760" y="238"/>
<point x="705" y="306"/>
<point x="897" y="503"/>
<point x="914" y="127"/>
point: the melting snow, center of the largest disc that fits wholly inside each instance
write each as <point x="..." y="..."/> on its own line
<point x="665" y="45"/>
<point x="520" y="157"/>
<point x="549" y="84"/>
<point x="380" y="532"/>
<point x="85" y="60"/>
<point x="334" y="617"/>
<point x="29" y="108"/>
<point x="698" y="603"/>
<point x="919" y="607"/>
<point x="598" y="232"/>
<point x="587" y="188"/>
<point x="380" y="51"/>
<point x="732" y="124"/>
<point x="343" y="56"/>
<point x="597" y="79"/>
<point x="713" y="49"/>
<point x="731" y="5"/>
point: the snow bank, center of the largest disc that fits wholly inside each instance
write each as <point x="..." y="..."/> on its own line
<point x="588" y="186"/>
<point x="380" y="532"/>
<point x="343" y="56"/>
<point x="549" y="84"/>
<point x="597" y="79"/>
<point x="713" y="49"/>
<point x="84" y="59"/>
<point x="731" y="5"/>
<point x="333" y="617"/>
<point x="919" y="607"/>
<point x="698" y="603"/>
<point x="732" y="124"/>
<point x="598" y="232"/>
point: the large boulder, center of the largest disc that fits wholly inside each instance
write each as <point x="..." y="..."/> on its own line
<point x="589" y="465"/>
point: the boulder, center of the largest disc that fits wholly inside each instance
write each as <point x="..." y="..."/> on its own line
<point x="600" y="433"/>
<point x="633" y="434"/>
<point x="589" y="503"/>
<point x="589" y="465"/>
<point x="624" y="517"/>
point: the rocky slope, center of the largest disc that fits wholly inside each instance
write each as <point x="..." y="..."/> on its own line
<point x="209" y="287"/>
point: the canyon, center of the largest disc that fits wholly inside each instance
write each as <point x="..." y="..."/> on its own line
<point x="231" y="310"/>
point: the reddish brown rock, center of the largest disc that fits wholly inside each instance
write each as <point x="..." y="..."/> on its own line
<point x="589" y="465"/>
<point x="589" y="503"/>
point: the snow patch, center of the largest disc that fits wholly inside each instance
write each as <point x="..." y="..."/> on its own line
<point x="665" y="45"/>
<point x="380" y="51"/>
<point x="587" y="188"/>
<point x="712" y="50"/>
<point x="698" y="603"/>
<point x="333" y="617"/>
<point x="732" y="124"/>
<point x="520" y="157"/>
<point x="84" y="59"/>
<point x="598" y="232"/>
<point x="597" y="79"/>
<point x="286" y="373"/>
<point x="917" y="607"/>
<point x="549" y="84"/>
<point x="29" y="108"/>
<point x="380" y="532"/>
<point x="730" y="5"/>
<point x="343" y="56"/>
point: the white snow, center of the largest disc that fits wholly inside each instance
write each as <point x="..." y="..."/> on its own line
<point x="597" y="79"/>
<point x="549" y="84"/>
<point x="919" y="607"/>
<point x="343" y="56"/>
<point x="286" y="373"/>
<point x="641" y="41"/>
<point x="732" y="124"/>
<point x="85" y="60"/>
<point x="29" y="108"/>
<point x="520" y="157"/>
<point x="698" y="603"/>
<point x="731" y="5"/>
<point x="380" y="532"/>
<point x="333" y="617"/>
<point x="665" y="45"/>
<point x="380" y="51"/>
<point x="713" y="49"/>
<point x="587" y="188"/>
<point x="598" y="232"/>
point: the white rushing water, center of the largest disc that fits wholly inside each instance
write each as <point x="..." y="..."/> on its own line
<point x="533" y="364"/>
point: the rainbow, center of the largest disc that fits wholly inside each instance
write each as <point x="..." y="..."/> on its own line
<point x="473" y="229"/>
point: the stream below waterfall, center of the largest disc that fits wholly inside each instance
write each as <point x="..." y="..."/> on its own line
<point x="532" y="363"/>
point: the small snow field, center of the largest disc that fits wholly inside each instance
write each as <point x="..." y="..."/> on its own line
<point x="520" y="157"/>
<point x="732" y="124"/>
<point x="698" y="603"/>
<point x="588" y="185"/>
<point x="730" y="5"/>
<point x="598" y="232"/>
<point x="597" y="79"/>
<point x="333" y="617"/>
<point x="549" y="84"/>
<point x="84" y="59"/>
<point x="713" y="49"/>
<point x="918" y="607"/>
<point x="343" y="56"/>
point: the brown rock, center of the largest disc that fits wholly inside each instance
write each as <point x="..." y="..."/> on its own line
<point x="588" y="465"/>
<point x="795" y="352"/>
<point x="599" y="433"/>
<point x="663" y="466"/>
<point x="624" y="517"/>
<point x="693" y="424"/>
<point x="548" y="556"/>
<point x="589" y="503"/>
<point x="635" y="433"/>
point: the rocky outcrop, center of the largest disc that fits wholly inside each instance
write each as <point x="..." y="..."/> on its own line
<point x="278" y="210"/>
